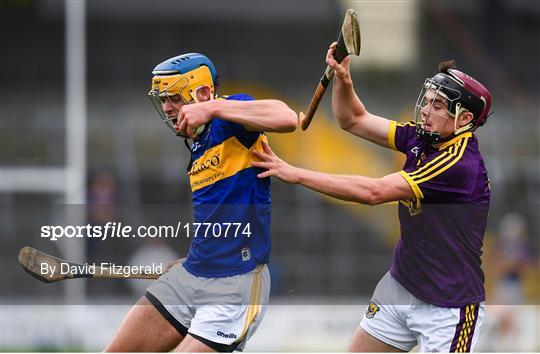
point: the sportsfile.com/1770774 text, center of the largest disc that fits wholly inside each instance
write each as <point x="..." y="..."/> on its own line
<point x="119" y="230"/>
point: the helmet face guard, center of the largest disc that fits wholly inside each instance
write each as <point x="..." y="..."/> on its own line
<point x="163" y="88"/>
<point x="438" y="92"/>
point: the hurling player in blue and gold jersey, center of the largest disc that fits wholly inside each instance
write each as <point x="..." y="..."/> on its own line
<point x="216" y="298"/>
<point x="433" y="294"/>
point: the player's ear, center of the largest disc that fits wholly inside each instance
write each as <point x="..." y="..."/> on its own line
<point x="204" y="94"/>
<point x="465" y="118"/>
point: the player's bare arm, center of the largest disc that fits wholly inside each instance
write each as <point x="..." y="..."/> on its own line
<point x="359" y="189"/>
<point x="350" y="112"/>
<point x="258" y="115"/>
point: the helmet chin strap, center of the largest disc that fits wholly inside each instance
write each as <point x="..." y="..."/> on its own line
<point x="430" y="137"/>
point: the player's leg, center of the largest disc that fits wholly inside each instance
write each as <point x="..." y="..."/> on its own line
<point x="144" y="329"/>
<point x="160" y="320"/>
<point x="191" y="344"/>
<point x="362" y="342"/>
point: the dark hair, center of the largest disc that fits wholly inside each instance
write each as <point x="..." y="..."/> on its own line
<point x="216" y="83"/>
<point x="444" y="66"/>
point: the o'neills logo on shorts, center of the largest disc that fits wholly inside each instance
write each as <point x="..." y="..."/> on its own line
<point x="226" y="335"/>
<point x="199" y="167"/>
<point x="372" y="309"/>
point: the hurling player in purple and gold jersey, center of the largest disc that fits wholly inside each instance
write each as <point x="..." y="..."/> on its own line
<point x="215" y="299"/>
<point x="433" y="294"/>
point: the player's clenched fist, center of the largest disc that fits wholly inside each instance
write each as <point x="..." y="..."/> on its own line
<point x="193" y="116"/>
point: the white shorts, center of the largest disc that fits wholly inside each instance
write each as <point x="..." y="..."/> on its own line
<point x="401" y="320"/>
<point x="220" y="312"/>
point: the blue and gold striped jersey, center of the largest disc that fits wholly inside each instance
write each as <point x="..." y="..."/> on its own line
<point x="231" y="205"/>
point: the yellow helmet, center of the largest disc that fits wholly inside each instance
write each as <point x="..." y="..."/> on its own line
<point x="182" y="75"/>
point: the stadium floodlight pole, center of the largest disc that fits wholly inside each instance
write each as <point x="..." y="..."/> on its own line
<point x="348" y="43"/>
<point x="34" y="262"/>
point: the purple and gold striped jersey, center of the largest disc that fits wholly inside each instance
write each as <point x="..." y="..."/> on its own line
<point x="438" y="256"/>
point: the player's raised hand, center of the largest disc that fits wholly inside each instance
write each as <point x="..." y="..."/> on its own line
<point x="274" y="165"/>
<point x="192" y="116"/>
<point x="341" y="70"/>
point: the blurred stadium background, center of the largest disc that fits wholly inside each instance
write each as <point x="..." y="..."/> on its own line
<point x="81" y="143"/>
